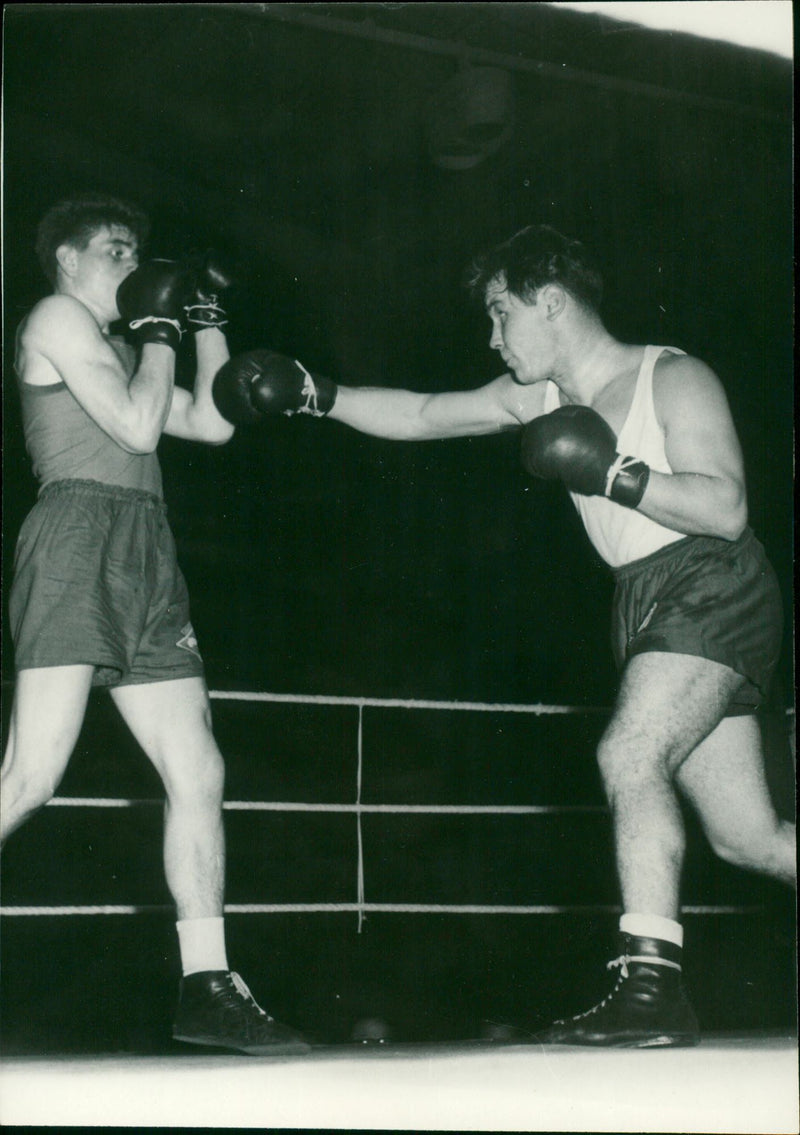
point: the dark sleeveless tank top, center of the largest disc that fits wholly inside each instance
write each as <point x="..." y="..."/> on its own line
<point x="64" y="442"/>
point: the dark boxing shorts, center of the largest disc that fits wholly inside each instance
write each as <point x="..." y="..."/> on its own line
<point x="96" y="581"/>
<point x="718" y="599"/>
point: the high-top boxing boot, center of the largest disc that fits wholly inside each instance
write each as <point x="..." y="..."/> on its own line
<point x="647" y="1008"/>
<point x="216" y="1008"/>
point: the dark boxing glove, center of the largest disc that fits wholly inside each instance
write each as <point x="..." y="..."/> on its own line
<point x="214" y="276"/>
<point x="151" y="301"/>
<point x="575" y="445"/>
<point x="260" y="383"/>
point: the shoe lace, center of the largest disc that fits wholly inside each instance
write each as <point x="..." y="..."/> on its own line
<point x="241" y="988"/>
<point x="620" y="963"/>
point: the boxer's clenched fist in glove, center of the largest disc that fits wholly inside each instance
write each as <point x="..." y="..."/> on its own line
<point x="575" y="445"/>
<point x="214" y="277"/>
<point x="152" y="299"/>
<point x="260" y="383"/>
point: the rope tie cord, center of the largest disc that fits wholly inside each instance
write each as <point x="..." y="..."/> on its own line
<point x="360" y="868"/>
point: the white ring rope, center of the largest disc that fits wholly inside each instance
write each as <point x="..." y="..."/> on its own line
<point x="405" y="703"/>
<point x="358" y="908"/>
<point x="361" y="906"/>
<point x="358" y="807"/>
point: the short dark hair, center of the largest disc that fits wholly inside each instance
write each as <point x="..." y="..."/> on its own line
<point x="76" y="220"/>
<point x="535" y="256"/>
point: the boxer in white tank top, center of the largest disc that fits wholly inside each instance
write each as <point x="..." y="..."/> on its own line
<point x="643" y="439"/>
<point x="621" y="535"/>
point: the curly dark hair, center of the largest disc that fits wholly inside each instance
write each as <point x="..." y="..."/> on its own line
<point x="535" y="256"/>
<point x="76" y="220"/>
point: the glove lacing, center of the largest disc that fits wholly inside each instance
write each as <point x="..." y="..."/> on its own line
<point x="309" y="392"/>
<point x="207" y="313"/>
<point x="135" y="323"/>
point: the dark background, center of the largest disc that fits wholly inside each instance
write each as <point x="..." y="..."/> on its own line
<point x="296" y="139"/>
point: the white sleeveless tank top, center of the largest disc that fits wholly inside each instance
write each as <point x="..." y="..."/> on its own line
<point x="622" y="534"/>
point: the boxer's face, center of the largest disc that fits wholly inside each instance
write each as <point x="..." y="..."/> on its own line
<point x="520" y="332"/>
<point x="96" y="271"/>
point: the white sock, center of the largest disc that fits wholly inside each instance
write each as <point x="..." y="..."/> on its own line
<point x="652" y="926"/>
<point x="202" y="944"/>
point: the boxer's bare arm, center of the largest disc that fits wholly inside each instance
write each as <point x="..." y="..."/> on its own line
<point x="404" y="415"/>
<point x="705" y="494"/>
<point x="193" y="415"/>
<point x="61" y="337"/>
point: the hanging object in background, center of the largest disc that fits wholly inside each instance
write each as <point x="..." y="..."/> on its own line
<point x="470" y="118"/>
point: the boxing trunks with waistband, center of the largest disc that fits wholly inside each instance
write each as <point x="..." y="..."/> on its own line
<point x="96" y="581"/>
<point x="718" y="599"/>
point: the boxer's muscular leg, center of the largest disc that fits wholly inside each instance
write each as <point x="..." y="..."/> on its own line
<point x="172" y="722"/>
<point x="46" y="717"/>
<point x="668" y="704"/>
<point x="725" y="782"/>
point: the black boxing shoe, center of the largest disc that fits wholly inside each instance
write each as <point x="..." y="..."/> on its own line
<point x="216" y="1008"/>
<point x="647" y="1008"/>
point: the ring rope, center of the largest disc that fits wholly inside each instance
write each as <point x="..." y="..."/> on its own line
<point x="359" y="908"/>
<point x="404" y="703"/>
<point x="357" y="807"/>
<point x="413" y="908"/>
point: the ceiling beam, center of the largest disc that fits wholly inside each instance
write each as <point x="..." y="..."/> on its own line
<point x="368" y="30"/>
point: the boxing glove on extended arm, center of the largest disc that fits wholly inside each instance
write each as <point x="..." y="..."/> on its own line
<point x="214" y="277"/>
<point x="575" y="445"/>
<point x="260" y="383"/>
<point x="152" y="299"/>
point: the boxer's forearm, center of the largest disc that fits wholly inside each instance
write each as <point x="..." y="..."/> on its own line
<point x="403" y="415"/>
<point x="194" y="416"/>
<point x="696" y="503"/>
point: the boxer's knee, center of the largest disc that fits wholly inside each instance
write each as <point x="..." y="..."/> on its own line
<point x="198" y="779"/>
<point x="625" y="760"/>
<point x="23" y="791"/>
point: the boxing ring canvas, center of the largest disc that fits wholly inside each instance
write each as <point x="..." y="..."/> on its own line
<point x="406" y="645"/>
<point x="733" y="1085"/>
